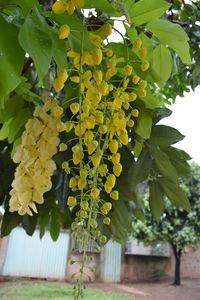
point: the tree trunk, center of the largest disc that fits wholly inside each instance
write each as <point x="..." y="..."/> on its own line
<point x="177" y="271"/>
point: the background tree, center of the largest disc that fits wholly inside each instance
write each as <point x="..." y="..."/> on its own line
<point x="175" y="226"/>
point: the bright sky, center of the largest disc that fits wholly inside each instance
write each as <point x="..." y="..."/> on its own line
<point x="186" y="118"/>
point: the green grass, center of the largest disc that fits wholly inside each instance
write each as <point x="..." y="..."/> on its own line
<point x="54" y="291"/>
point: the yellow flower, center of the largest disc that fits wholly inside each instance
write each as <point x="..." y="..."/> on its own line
<point x="59" y="7"/>
<point x="97" y="56"/>
<point x="103" y="88"/>
<point x="98" y="76"/>
<point x="74" y="107"/>
<point x="128" y="70"/>
<point x="88" y="137"/>
<point x="58" y="85"/>
<point x="114" y="195"/>
<point x="76" y="158"/>
<point x="79" y="3"/>
<point x="135" y="113"/>
<point x="73" y="183"/>
<point x="143" y="84"/>
<point x="103" y="129"/>
<point x="85" y="205"/>
<point x="117" y="169"/>
<point x="111" y="72"/>
<point x="130" y="123"/>
<point x="99" y="118"/>
<point x="111" y="180"/>
<point x="87" y="59"/>
<point x="82" y="183"/>
<point x="68" y="126"/>
<point x="58" y="111"/>
<point x="96" y="158"/>
<point x="113" y="146"/>
<point x="135" y="79"/>
<point x="142" y="93"/>
<point x="92" y="147"/>
<point x="126" y="105"/>
<point x="103" y="169"/>
<point x="96" y="40"/>
<point x="63" y="32"/>
<point x="132" y="97"/>
<point x="71" y="201"/>
<point x="145" y="66"/>
<point x="124" y="137"/>
<point x="83" y="173"/>
<point x="62" y="147"/>
<point x="138" y="43"/>
<point x="75" y="79"/>
<point x="62" y="75"/>
<point x="107" y="29"/>
<point x="143" y="52"/>
<point x="116" y="158"/>
<point x="95" y="193"/>
<point x="109" y="52"/>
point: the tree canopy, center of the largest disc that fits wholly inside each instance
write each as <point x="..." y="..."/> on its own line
<point x="175" y="225"/>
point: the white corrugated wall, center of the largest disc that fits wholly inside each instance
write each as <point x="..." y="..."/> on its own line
<point x="31" y="257"/>
<point x="112" y="262"/>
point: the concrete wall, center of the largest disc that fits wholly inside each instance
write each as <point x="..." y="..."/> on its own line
<point x="74" y="268"/>
<point x="134" y="267"/>
<point x="138" y="268"/>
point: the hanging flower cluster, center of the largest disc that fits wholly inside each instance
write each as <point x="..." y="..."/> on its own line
<point x="99" y="123"/>
<point x="39" y="144"/>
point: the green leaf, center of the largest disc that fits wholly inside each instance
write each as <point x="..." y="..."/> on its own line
<point x="102" y="5"/>
<point x="147" y="43"/>
<point x="161" y="113"/>
<point x="179" y="159"/>
<point x="137" y="148"/>
<point x="183" y="50"/>
<point x="168" y="32"/>
<point x="58" y="50"/>
<point x="11" y="58"/>
<point x="144" y="123"/>
<point x="172" y="35"/>
<point x="131" y="33"/>
<point x="145" y="11"/>
<point x="10" y="221"/>
<point x="29" y="223"/>
<point x="152" y="101"/>
<point x="17" y="123"/>
<point x="54" y="223"/>
<point x="44" y="217"/>
<point x="38" y="45"/>
<point x="4" y="132"/>
<point x="162" y="63"/>
<point x="139" y="214"/>
<point x="163" y="164"/>
<point x="175" y="194"/>
<point x="140" y="169"/>
<point x="177" y="153"/>
<point x="13" y="105"/>
<point x="165" y="136"/>
<point x="120" y="222"/>
<point x="156" y="202"/>
<point x="26" y="5"/>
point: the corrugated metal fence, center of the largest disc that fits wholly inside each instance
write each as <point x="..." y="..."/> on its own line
<point x="112" y="262"/>
<point x="32" y="257"/>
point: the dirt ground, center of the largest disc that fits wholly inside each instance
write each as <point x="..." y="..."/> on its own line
<point x="160" y="290"/>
